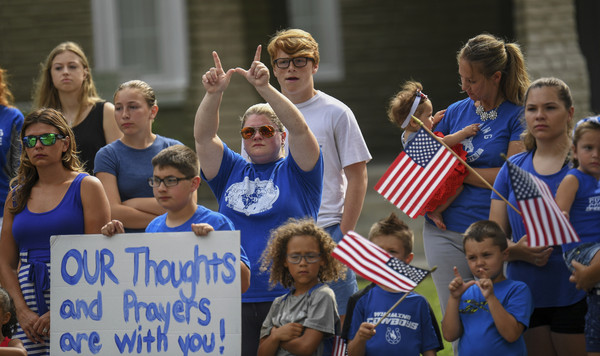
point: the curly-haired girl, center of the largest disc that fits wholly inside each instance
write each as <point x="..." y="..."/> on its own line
<point x="298" y="256"/>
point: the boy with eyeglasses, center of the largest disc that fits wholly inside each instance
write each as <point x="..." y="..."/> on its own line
<point x="295" y="60"/>
<point x="174" y="181"/>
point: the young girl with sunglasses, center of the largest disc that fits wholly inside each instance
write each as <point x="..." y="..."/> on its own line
<point x="411" y="101"/>
<point x="298" y="256"/>
<point x="51" y="195"/>
<point x="125" y="165"/>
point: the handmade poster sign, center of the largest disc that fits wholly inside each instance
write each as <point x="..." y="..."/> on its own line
<point x="159" y="294"/>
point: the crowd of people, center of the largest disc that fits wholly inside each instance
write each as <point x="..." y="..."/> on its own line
<point x="80" y="165"/>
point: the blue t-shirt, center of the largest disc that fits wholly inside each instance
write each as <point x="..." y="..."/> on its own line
<point x="132" y="167"/>
<point x="483" y="151"/>
<point x="218" y="221"/>
<point x="11" y="122"/>
<point x="480" y="335"/>
<point x="407" y="330"/>
<point x="261" y="197"/>
<point x="585" y="211"/>
<point x="550" y="283"/>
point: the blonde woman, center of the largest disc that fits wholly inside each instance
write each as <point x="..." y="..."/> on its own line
<point x="65" y="83"/>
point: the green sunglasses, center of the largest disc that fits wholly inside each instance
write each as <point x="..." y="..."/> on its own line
<point x="47" y="139"/>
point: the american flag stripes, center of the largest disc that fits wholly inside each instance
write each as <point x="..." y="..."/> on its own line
<point x="375" y="264"/>
<point x="339" y="346"/>
<point x="409" y="183"/>
<point x="544" y="222"/>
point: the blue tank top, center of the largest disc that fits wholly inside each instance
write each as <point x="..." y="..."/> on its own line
<point x="33" y="230"/>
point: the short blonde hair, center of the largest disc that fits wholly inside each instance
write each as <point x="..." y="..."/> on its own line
<point x="263" y="109"/>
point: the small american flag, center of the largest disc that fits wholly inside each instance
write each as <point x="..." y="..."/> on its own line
<point x="409" y="183"/>
<point x="544" y="222"/>
<point x="375" y="264"/>
<point x="339" y="346"/>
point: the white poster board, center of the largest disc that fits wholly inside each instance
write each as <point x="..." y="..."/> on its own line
<point x="158" y="294"/>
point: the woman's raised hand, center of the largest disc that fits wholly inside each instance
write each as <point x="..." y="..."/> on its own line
<point x="216" y="80"/>
<point x="258" y="74"/>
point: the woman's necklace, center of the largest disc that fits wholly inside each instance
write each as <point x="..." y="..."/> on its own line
<point x="486" y="115"/>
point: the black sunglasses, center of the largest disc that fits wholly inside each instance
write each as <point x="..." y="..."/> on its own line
<point x="47" y="139"/>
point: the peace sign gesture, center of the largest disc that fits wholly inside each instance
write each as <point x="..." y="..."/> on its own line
<point x="215" y="80"/>
<point x="258" y="74"/>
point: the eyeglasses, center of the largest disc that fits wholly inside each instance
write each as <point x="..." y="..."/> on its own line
<point x="299" y="62"/>
<point x="310" y="258"/>
<point x="47" y="139"/>
<point x="265" y="131"/>
<point x="169" y="181"/>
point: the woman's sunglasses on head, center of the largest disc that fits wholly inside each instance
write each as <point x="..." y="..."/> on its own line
<point x="47" y="139"/>
<point x="265" y="131"/>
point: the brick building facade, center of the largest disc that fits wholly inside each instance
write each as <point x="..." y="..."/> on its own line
<point x="381" y="44"/>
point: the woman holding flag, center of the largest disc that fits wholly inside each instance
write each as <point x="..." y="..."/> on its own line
<point x="493" y="75"/>
<point x="557" y="323"/>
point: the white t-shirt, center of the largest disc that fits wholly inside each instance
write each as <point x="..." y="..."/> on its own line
<point x="342" y="144"/>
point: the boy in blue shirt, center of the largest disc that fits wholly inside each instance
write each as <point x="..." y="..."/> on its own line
<point x="410" y="329"/>
<point x="174" y="183"/>
<point x="489" y="315"/>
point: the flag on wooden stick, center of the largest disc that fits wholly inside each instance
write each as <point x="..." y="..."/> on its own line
<point x="375" y="264"/>
<point x="423" y="166"/>
<point x="544" y="222"/>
